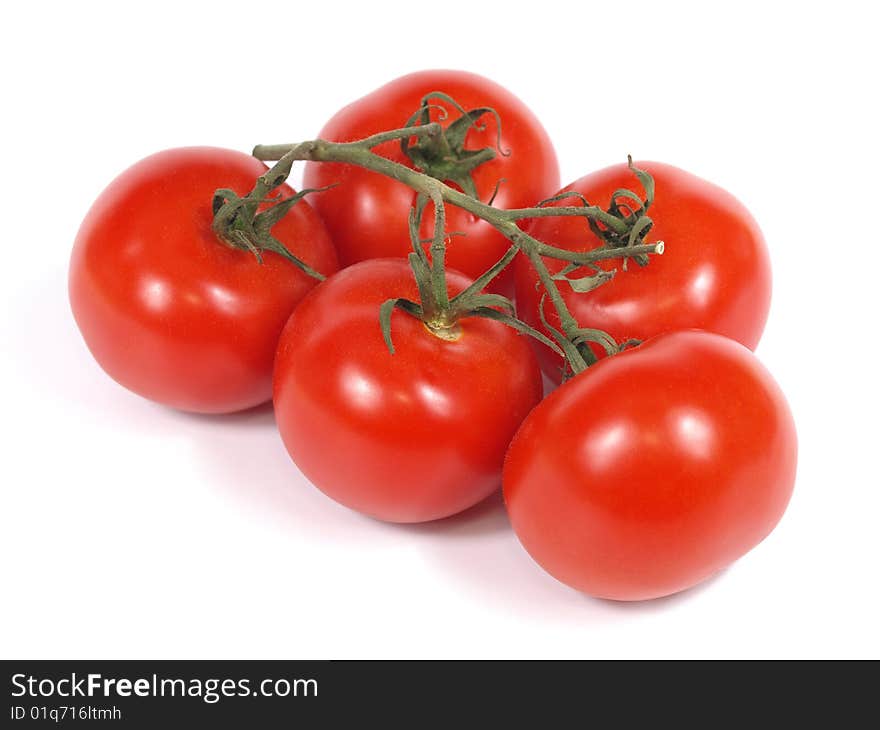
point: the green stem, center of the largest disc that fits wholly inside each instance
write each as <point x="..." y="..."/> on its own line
<point x="279" y="151"/>
<point x="438" y="256"/>
<point x="578" y="358"/>
<point x="360" y="154"/>
<point x="566" y="319"/>
<point x="598" y="254"/>
<point x="357" y="153"/>
<point x="582" y="211"/>
<point x="483" y="281"/>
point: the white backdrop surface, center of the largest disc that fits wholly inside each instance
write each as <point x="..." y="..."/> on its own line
<point x="131" y="531"/>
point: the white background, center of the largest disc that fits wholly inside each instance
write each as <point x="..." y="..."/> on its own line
<point x="128" y="530"/>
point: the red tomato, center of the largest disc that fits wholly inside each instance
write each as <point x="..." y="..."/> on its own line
<point x="367" y="213"/>
<point x="653" y="469"/>
<point x="409" y="437"/>
<point x="169" y="311"/>
<point x="714" y="274"/>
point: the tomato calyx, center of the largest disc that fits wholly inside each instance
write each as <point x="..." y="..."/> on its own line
<point x="442" y="154"/>
<point x="440" y="313"/>
<point x="625" y="225"/>
<point x="447" y="325"/>
<point x="239" y="222"/>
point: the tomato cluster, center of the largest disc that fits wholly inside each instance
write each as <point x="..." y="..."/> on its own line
<point x="669" y="457"/>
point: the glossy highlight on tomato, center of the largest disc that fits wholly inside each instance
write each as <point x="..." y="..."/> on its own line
<point x="653" y="469"/>
<point x="166" y="309"/>
<point x="714" y="273"/>
<point x="409" y="437"/>
<point x="367" y="213"/>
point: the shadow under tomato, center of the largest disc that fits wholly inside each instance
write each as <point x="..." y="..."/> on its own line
<point x="260" y="415"/>
<point x="47" y="353"/>
<point x="475" y="551"/>
<point x="485" y="517"/>
<point x="243" y="454"/>
<point x="499" y="572"/>
<point x="656" y="605"/>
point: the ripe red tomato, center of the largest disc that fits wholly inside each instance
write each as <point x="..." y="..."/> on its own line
<point x="367" y="213"/>
<point x="409" y="437"/>
<point x="166" y="309"/>
<point x="714" y="274"/>
<point x="653" y="469"/>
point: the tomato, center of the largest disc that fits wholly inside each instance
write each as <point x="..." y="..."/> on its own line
<point x="714" y="273"/>
<point x="409" y="437"/>
<point x="653" y="469"/>
<point x="367" y="213"/>
<point x="165" y="308"/>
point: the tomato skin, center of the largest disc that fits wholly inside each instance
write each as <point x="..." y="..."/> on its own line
<point x="653" y="469"/>
<point x="167" y="310"/>
<point x="714" y="273"/>
<point x="367" y="214"/>
<point x="414" y="436"/>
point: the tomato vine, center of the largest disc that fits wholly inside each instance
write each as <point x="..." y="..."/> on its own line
<point x="439" y="153"/>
